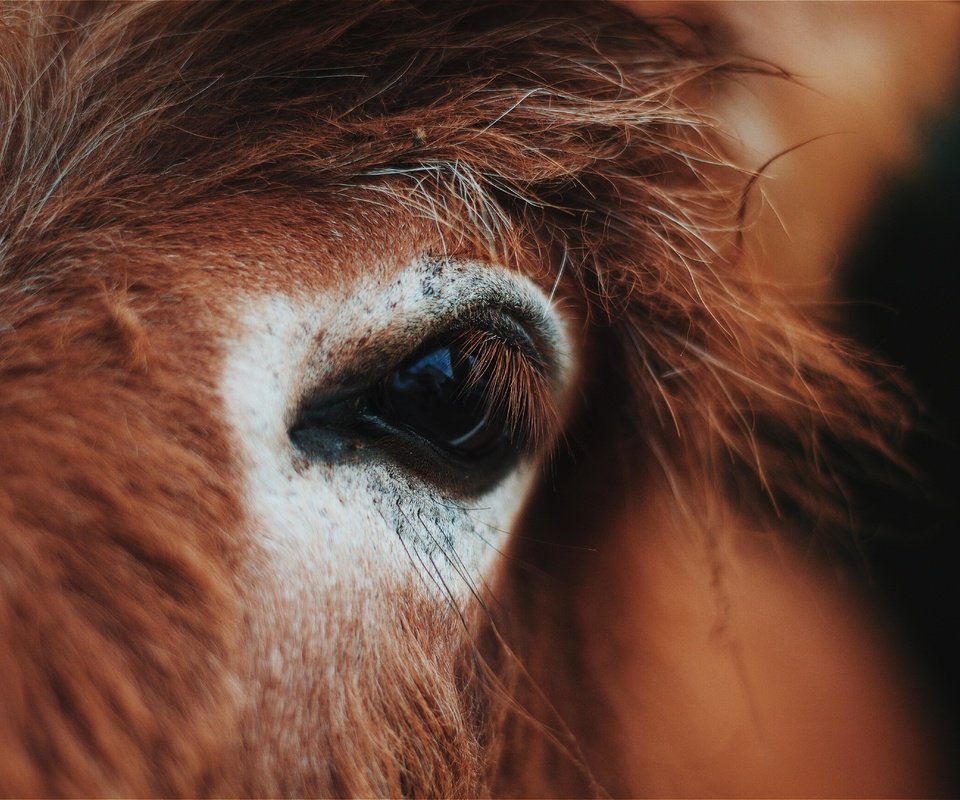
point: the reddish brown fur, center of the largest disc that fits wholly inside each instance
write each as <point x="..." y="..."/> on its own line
<point x="140" y="139"/>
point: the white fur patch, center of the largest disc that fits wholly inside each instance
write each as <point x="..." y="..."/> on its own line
<point x="345" y="528"/>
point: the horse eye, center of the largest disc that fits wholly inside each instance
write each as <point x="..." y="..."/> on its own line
<point x="460" y="412"/>
<point x="442" y="396"/>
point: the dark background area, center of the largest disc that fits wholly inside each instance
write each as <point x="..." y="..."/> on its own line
<point x="903" y="285"/>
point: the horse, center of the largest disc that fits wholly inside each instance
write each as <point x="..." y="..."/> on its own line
<point x="400" y="398"/>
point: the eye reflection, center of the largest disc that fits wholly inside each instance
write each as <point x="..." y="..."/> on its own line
<point x="443" y="396"/>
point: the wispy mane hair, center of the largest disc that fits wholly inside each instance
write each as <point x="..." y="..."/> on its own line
<point x="561" y="140"/>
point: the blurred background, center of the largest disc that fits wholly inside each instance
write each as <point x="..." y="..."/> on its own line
<point x="902" y="282"/>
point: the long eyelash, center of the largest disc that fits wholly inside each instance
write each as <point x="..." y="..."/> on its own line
<point x="517" y="386"/>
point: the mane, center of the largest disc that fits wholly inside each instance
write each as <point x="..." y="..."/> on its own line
<point x="559" y="140"/>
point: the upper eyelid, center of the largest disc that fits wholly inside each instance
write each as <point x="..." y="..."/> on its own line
<point x="387" y="350"/>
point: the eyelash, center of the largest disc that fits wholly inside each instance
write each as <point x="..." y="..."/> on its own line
<point x="517" y="382"/>
<point x="506" y="374"/>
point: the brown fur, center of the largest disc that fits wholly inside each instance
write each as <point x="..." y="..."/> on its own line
<point x="136" y="141"/>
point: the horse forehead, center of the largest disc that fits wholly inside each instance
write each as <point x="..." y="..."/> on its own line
<point x="254" y="250"/>
<point x="215" y="256"/>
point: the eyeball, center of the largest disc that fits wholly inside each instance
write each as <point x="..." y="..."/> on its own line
<point x="442" y="395"/>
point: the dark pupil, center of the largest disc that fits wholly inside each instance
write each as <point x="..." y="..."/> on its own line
<point x="439" y="396"/>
